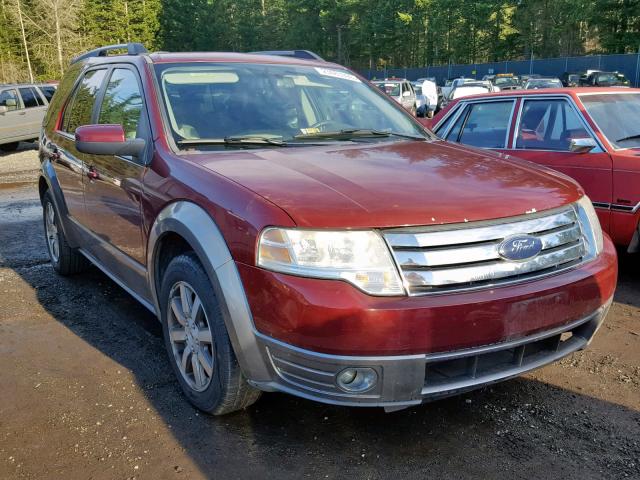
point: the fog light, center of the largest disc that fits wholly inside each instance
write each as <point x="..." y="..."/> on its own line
<point x="356" y="380"/>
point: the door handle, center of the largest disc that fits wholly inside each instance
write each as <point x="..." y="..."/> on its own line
<point x="53" y="152"/>
<point x="93" y="174"/>
<point x="22" y="113"/>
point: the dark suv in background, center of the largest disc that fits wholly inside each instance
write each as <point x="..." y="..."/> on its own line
<point x="296" y="230"/>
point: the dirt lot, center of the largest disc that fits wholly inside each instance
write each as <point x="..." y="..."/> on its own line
<point x="86" y="392"/>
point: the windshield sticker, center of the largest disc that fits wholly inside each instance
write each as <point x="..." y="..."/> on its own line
<point x="327" y="72"/>
<point x="310" y="131"/>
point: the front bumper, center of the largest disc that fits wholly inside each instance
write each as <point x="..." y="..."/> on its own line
<point x="407" y="380"/>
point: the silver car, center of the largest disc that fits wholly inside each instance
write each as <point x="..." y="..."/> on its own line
<point x="22" y="108"/>
<point x="401" y="91"/>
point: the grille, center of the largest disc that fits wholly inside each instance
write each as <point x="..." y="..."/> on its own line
<point x="458" y="371"/>
<point x="466" y="256"/>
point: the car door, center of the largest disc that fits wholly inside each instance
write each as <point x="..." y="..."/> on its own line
<point x="544" y="131"/>
<point x="12" y="121"/>
<point x="113" y="184"/>
<point x="65" y="158"/>
<point x="34" y="110"/>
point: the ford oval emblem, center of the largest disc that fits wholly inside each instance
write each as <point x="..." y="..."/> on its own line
<point x="520" y="247"/>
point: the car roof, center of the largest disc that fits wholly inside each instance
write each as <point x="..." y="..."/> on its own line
<point x="16" y="85"/>
<point x="554" y="91"/>
<point x="213" y="57"/>
<point x="232" y="57"/>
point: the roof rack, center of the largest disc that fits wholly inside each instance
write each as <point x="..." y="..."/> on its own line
<point x="305" y="54"/>
<point x="131" y="48"/>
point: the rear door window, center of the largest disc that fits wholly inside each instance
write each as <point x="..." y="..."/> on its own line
<point x="30" y="98"/>
<point x="80" y="108"/>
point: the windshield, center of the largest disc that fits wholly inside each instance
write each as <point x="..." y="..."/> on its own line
<point x="544" y="83"/>
<point x="280" y="103"/>
<point x="607" y="110"/>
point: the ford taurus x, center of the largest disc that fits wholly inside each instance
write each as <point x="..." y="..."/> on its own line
<point x="296" y="230"/>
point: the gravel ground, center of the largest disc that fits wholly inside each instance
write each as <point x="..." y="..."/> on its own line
<point x="87" y="392"/>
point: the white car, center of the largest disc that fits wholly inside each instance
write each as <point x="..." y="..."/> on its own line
<point x="22" y="108"/>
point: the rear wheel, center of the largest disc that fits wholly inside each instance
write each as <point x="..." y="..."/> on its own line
<point x="9" y="147"/>
<point x="65" y="260"/>
<point x="197" y="340"/>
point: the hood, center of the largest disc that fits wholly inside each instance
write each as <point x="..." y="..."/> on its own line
<point x="393" y="184"/>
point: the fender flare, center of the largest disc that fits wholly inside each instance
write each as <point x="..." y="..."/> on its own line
<point x="48" y="173"/>
<point x="197" y="227"/>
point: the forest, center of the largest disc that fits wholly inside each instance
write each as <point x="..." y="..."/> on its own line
<point x="39" y="37"/>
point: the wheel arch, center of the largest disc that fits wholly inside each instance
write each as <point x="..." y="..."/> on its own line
<point x="184" y="225"/>
<point x="48" y="181"/>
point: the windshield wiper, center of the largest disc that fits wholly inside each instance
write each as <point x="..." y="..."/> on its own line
<point x="247" y="140"/>
<point x="236" y="140"/>
<point x="630" y="137"/>
<point x="348" y="134"/>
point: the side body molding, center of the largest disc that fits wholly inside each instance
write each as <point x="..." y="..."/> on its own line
<point x="196" y="226"/>
<point x="49" y="175"/>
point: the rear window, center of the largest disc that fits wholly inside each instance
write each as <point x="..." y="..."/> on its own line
<point x="48" y="92"/>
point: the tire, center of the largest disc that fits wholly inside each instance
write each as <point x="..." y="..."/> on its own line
<point x="65" y="260"/>
<point x="429" y="113"/>
<point x="193" y="325"/>
<point x="9" y="147"/>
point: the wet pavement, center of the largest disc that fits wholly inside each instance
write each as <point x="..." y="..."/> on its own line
<point x="87" y="392"/>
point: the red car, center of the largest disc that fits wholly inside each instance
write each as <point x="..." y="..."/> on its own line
<point x="592" y="135"/>
<point x="295" y="230"/>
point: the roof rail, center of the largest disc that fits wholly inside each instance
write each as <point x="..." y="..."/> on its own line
<point x="131" y="48"/>
<point x="305" y="54"/>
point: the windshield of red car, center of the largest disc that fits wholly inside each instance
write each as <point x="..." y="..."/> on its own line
<point x="283" y="102"/>
<point x="606" y="109"/>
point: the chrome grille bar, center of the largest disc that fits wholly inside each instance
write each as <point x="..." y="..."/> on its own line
<point x="467" y="255"/>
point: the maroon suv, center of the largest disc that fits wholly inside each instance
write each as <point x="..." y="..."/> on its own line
<point x="295" y="230"/>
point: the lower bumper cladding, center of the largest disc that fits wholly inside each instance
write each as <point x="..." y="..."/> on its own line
<point x="408" y="380"/>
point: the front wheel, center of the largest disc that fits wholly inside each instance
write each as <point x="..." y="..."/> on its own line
<point x="197" y="340"/>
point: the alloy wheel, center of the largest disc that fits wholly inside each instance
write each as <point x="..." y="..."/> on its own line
<point x="53" y="240"/>
<point x="190" y="336"/>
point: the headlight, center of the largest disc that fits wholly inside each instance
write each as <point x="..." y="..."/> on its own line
<point x="359" y="257"/>
<point x="590" y="226"/>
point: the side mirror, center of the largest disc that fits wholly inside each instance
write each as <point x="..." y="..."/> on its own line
<point x="3" y="109"/>
<point x="582" y="145"/>
<point x="11" y="103"/>
<point x="107" y="140"/>
<point x="406" y="94"/>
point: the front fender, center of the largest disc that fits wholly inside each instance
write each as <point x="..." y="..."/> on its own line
<point x="195" y="225"/>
